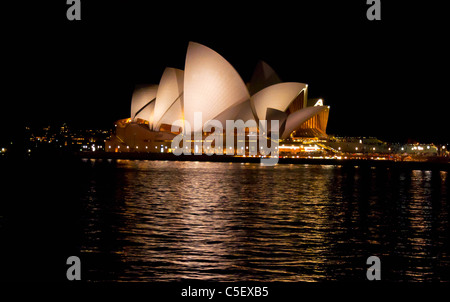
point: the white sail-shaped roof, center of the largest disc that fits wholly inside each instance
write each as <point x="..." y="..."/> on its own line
<point x="274" y="114"/>
<point x="173" y="113"/>
<point x="169" y="91"/>
<point x="142" y="95"/>
<point x="147" y="113"/>
<point x="211" y="84"/>
<point x="246" y="112"/>
<point x="241" y="111"/>
<point x="277" y="96"/>
<point x="263" y="76"/>
<point x="297" y="118"/>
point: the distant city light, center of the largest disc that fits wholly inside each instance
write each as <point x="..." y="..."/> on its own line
<point x="90" y="140"/>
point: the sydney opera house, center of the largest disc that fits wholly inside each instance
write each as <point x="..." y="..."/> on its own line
<point x="210" y="85"/>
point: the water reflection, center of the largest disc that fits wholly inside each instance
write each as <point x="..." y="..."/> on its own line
<point x="164" y="221"/>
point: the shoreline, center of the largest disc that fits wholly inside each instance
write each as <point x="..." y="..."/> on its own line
<point x="443" y="164"/>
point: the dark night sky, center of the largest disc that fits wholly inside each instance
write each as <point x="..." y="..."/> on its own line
<point x="386" y="79"/>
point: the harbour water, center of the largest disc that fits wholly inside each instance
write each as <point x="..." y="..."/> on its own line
<point x="131" y="220"/>
<point x="166" y="221"/>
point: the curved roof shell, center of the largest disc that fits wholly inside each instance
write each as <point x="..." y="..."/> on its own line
<point x="274" y="114"/>
<point x="146" y="113"/>
<point x="173" y="113"/>
<point x="142" y="96"/>
<point x="295" y="119"/>
<point x="263" y="76"/>
<point x="277" y="96"/>
<point x="241" y="111"/>
<point x="170" y="90"/>
<point x="211" y="84"/>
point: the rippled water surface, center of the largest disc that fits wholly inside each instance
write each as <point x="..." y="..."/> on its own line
<point x="166" y="221"/>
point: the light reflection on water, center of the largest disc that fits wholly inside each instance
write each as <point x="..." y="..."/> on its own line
<point x="165" y="221"/>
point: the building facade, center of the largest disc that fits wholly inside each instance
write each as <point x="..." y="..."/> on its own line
<point x="210" y="87"/>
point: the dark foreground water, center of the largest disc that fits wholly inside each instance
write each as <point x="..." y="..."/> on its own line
<point x="169" y="221"/>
